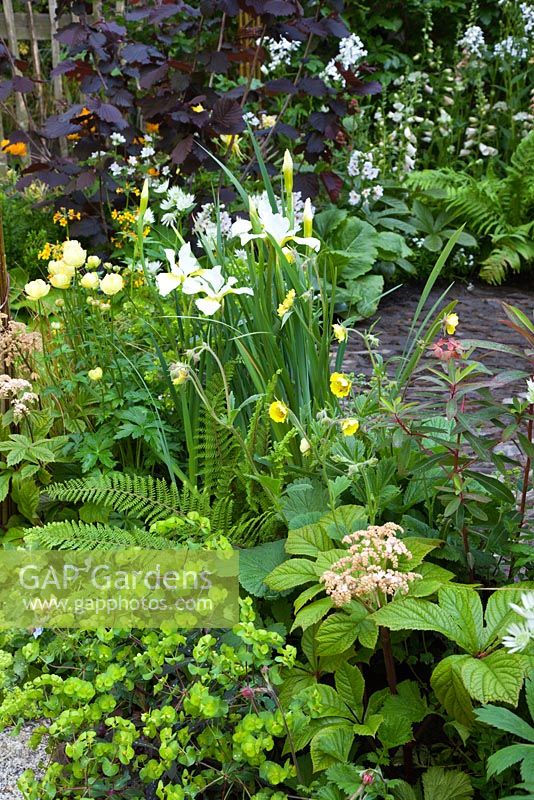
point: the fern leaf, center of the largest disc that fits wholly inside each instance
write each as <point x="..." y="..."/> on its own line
<point x="73" y="535"/>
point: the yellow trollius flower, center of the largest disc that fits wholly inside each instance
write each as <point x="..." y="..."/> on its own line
<point x="340" y="332"/>
<point x="450" y="323"/>
<point x="92" y="262"/>
<point x="95" y="374"/>
<point x="90" y="280"/>
<point x="287" y="303"/>
<point x="73" y="253"/>
<point x="278" y="411"/>
<point x="61" y="280"/>
<point x="340" y="384"/>
<point x="36" y="289"/>
<point x="112" y="284"/>
<point x="349" y="426"/>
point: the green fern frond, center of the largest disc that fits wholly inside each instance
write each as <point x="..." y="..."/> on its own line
<point x="139" y="496"/>
<point x="73" y="535"/>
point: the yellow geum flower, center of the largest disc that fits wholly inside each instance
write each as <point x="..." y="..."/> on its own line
<point x="14" y="148"/>
<point x="450" y="323"/>
<point x="287" y="303"/>
<point x="340" y="332"/>
<point x="90" y="280"/>
<point x="36" y="289"/>
<point x="60" y="280"/>
<point x="95" y="374"/>
<point x="349" y="426"/>
<point x="340" y="384"/>
<point x="112" y="284"/>
<point x="278" y="411"/>
<point x="198" y="109"/>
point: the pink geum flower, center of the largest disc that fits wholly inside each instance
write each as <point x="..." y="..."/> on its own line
<point x="445" y="349"/>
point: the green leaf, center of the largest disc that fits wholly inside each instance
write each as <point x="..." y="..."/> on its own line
<point x="403" y="791"/>
<point x="311" y="614"/>
<point x="507" y="757"/>
<point x="324" y="701"/>
<point x="331" y="745"/>
<point x="5" y="477"/>
<point x="446" y="784"/>
<point x="335" y="634"/>
<point x="465" y="605"/>
<point x="255" y="563"/>
<point x="496" y="678"/>
<point x="400" y="712"/>
<point x="25" y="494"/>
<point x="292" y="573"/>
<point x="370" y="726"/>
<point x="413" y="614"/>
<point x="345" y="776"/>
<point x="446" y="681"/>
<point x="310" y="540"/>
<point x="433" y="579"/>
<point x="419" y="548"/>
<point x="343" y="521"/>
<point x="303" y="503"/>
<point x="350" y="686"/>
<point x="505" y="720"/>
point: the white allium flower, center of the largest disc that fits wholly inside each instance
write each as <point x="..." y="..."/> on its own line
<point x="117" y="139"/>
<point x="473" y="42"/>
<point x="147" y="152"/>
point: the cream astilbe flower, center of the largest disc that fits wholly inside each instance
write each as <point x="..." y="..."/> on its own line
<point x="215" y="287"/>
<point x="180" y="272"/>
<point x="273" y="225"/>
<point x="371" y="568"/>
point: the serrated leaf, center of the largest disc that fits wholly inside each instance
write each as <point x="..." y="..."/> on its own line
<point x="25" y="494"/>
<point x="464" y="605"/>
<point x="5" y="477"/>
<point x="350" y="686"/>
<point x="433" y="578"/>
<point x="496" y="678"/>
<point x="419" y="548"/>
<point x="310" y="540"/>
<point x="505" y="720"/>
<point x="335" y="634"/>
<point x="400" y="712"/>
<point x="292" y="573"/>
<point x="370" y="726"/>
<point x="307" y="595"/>
<point x="446" y="681"/>
<point x="414" y="614"/>
<point x="331" y="745"/>
<point x="507" y="757"/>
<point x="345" y="776"/>
<point x="255" y="563"/>
<point x="446" y="784"/>
<point x="311" y="614"/>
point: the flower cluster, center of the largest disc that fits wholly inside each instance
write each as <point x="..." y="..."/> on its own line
<point x="521" y="634"/>
<point x="362" y="168"/>
<point x="473" y="42"/>
<point x="512" y="48"/>
<point x="372" y="567"/>
<point x="175" y="202"/>
<point x="16" y="342"/>
<point x="63" y="270"/>
<point x="18" y="149"/>
<point x="18" y="392"/>
<point x="350" y="54"/>
<point x="446" y="349"/>
<point x="279" y="53"/>
<point x="527" y="15"/>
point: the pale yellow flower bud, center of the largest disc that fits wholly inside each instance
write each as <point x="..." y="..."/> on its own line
<point x="307" y="219"/>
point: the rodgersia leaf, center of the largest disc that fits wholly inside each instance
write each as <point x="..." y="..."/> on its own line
<point x="496" y="678"/>
<point x="446" y="784"/>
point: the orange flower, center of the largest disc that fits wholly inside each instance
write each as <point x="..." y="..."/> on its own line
<point x="153" y="171"/>
<point x="152" y="127"/>
<point x="18" y="149"/>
